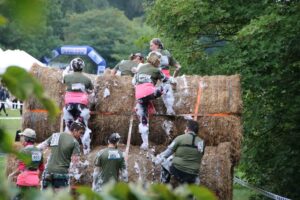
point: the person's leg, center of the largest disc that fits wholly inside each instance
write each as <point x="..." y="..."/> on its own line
<point x="46" y="180"/>
<point x="86" y="138"/>
<point x="165" y="175"/>
<point x="1" y="107"/>
<point x="21" y="107"/>
<point x="4" y="109"/>
<point x="168" y="98"/>
<point x="142" y="113"/>
<point x="68" y="118"/>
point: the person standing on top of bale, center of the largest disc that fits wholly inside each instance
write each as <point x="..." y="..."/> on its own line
<point x="188" y="150"/>
<point x="167" y="61"/>
<point x="128" y="67"/>
<point x="64" y="150"/>
<point x="145" y="80"/>
<point x="109" y="164"/>
<point x="28" y="174"/>
<point x="76" y="99"/>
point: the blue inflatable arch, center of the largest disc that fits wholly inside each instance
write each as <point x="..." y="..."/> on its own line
<point x="81" y="50"/>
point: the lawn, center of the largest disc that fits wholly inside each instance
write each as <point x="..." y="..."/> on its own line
<point x="11" y="125"/>
<point x="241" y="193"/>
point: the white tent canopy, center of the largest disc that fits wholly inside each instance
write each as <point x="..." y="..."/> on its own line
<point x="16" y="58"/>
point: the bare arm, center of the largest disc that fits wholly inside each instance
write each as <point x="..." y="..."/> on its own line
<point x="176" y="72"/>
<point x="97" y="182"/>
<point x="43" y="145"/>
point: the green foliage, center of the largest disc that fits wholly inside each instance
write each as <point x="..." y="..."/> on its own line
<point x="261" y="43"/>
<point x="108" y="30"/>
<point x="54" y="23"/>
<point x="131" y="8"/>
<point x="16" y="75"/>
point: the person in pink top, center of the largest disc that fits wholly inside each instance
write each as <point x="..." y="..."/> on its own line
<point x="79" y="86"/>
<point x="145" y="91"/>
<point x="29" y="173"/>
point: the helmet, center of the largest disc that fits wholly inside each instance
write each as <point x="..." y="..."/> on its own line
<point x="28" y="132"/>
<point x="154" y="58"/>
<point x="114" y="138"/>
<point x="77" y="64"/>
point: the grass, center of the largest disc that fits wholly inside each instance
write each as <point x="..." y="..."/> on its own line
<point x="241" y="193"/>
<point x="10" y="125"/>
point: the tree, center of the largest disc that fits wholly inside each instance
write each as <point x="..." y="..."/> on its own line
<point x="107" y="30"/>
<point x="258" y="41"/>
<point x="27" y="36"/>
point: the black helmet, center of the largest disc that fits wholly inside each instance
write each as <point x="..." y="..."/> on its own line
<point x="77" y="64"/>
<point x="114" y="138"/>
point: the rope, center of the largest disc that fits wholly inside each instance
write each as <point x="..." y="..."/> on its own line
<point x="198" y="101"/>
<point x="261" y="191"/>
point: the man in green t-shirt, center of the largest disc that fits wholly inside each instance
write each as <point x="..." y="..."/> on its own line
<point x="109" y="164"/>
<point x="128" y="67"/>
<point x="64" y="150"/>
<point x="78" y="87"/>
<point x="187" y="151"/>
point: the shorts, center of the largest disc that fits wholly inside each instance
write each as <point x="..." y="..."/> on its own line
<point x="55" y="180"/>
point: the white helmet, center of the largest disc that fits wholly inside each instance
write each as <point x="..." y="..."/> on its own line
<point x="77" y="64"/>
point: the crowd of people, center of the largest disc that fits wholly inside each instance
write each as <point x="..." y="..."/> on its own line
<point x="152" y="79"/>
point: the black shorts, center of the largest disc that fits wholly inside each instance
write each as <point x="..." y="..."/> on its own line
<point x="183" y="177"/>
<point x="55" y="180"/>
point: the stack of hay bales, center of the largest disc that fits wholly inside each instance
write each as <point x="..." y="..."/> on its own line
<point x="220" y="107"/>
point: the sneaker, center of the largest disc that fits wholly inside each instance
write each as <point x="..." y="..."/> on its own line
<point x="6" y="114"/>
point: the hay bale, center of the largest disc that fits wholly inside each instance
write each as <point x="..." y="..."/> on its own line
<point x="121" y="97"/>
<point x="140" y="167"/>
<point x="213" y="130"/>
<point x="111" y="113"/>
<point x="104" y="125"/>
<point x="217" y="170"/>
<point x="40" y="122"/>
<point x="219" y="94"/>
<point x="51" y="80"/>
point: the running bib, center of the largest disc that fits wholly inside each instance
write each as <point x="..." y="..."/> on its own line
<point x="78" y="86"/>
<point x="144" y="78"/>
<point x="113" y="155"/>
<point x="55" y="139"/>
<point x="36" y="156"/>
